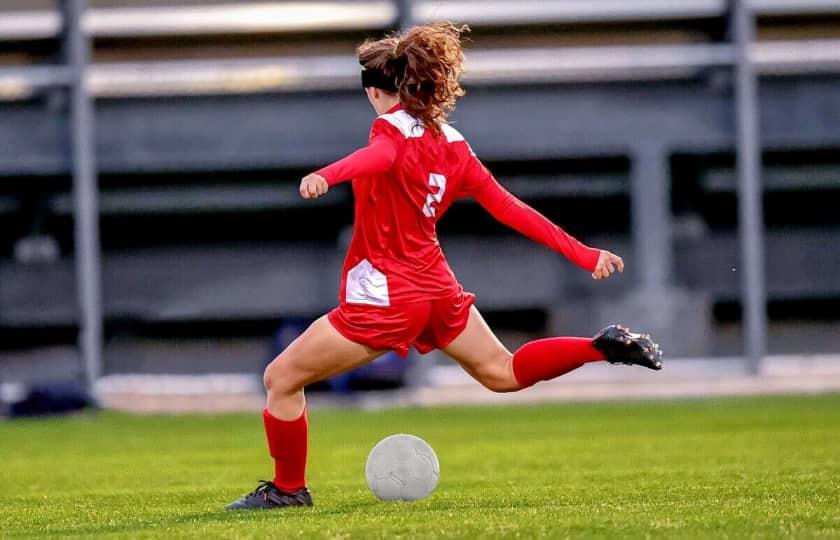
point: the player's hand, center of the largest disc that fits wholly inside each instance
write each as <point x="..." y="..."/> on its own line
<point x="608" y="263"/>
<point x="313" y="186"/>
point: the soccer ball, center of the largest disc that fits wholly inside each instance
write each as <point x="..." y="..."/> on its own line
<point x="402" y="468"/>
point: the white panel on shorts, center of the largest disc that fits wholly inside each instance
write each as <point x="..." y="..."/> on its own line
<point x="452" y="134"/>
<point x="366" y="285"/>
<point x="407" y="124"/>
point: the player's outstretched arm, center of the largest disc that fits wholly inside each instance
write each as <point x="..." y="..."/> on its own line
<point x="376" y="158"/>
<point x="509" y="210"/>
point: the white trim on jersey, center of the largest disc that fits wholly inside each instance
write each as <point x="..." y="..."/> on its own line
<point x="408" y="125"/>
<point x="411" y="127"/>
<point x="366" y="285"/>
<point x="452" y="134"/>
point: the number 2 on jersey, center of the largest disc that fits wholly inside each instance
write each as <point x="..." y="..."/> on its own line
<point x="435" y="181"/>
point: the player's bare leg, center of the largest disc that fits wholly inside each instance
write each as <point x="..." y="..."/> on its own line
<point x="484" y="357"/>
<point x="317" y="354"/>
<point x="320" y="352"/>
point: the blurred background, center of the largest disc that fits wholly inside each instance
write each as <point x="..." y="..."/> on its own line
<point x="152" y="242"/>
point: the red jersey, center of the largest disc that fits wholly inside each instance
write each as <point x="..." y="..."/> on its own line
<point x="403" y="183"/>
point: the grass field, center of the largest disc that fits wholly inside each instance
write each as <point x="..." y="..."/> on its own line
<point x="758" y="467"/>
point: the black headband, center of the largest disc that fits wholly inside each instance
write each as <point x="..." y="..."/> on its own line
<point x="377" y="79"/>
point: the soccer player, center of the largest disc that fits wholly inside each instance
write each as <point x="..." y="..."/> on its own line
<point x="397" y="290"/>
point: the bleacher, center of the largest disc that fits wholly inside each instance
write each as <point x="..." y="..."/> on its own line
<point x="208" y="112"/>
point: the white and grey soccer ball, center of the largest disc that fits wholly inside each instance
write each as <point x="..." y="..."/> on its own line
<point x="402" y="468"/>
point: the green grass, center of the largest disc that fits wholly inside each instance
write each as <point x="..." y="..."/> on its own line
<point x="734" y="468"/>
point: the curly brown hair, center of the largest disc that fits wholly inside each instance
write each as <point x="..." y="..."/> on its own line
<point x="425" y="61"/>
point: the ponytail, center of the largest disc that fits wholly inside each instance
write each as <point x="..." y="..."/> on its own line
<point x="423" y="65"/>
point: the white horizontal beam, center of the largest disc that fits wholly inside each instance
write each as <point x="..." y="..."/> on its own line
<point x="263" y="17"/>
<point x="24" y="25"/>
<point x="795" y="7"/>
<point x="246" y="18"/>
<point x="500" y="12"/>
<point x="342" y="71"/>
<point x="227" y="77"/>
<point x="488" y="12"/>
<point x="503" y="66"/>
<point x="593" y="63"/>
<point x="796" y="57"/>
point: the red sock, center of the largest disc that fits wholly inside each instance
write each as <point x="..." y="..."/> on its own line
<point x="545" y="359"/>
<point x="287" y="443"/>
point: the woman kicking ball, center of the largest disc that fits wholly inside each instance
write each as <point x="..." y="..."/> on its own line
<point x="397" y="290"/>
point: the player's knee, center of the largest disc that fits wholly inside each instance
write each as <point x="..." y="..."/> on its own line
<point x="279" y="377"/>
<point x="270" y="376"/>
<point x="497" y="376"/>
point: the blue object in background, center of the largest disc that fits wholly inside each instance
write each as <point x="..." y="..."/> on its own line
<point x="51" y="399"/>
<point x="387" y="371"/>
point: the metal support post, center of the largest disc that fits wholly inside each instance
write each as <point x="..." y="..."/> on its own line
<point x="750" y="213"/>
<point x="651" y="216"/>
<point x="85" y="196"/>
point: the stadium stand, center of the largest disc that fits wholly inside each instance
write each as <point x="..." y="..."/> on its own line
<point x="209" y="111"/>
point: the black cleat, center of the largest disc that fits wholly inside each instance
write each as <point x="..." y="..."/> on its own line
<point x="268" y="496"/>
<point x="621" y="346"/>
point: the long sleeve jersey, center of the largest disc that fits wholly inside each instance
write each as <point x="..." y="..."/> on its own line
<point x="403" y="183"/>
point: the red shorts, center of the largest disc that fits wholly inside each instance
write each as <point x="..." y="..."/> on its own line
<point x="424" y="325"/>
